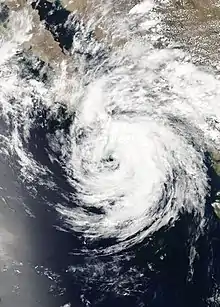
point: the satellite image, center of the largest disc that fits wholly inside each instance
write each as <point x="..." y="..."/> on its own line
<point x="110" y="153"/>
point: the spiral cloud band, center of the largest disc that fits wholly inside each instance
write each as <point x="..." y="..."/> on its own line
<point x="143" y="121"/>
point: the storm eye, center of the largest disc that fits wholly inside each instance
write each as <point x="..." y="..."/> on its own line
<point x="110" y="162"/>
<point x="110" y="159"/>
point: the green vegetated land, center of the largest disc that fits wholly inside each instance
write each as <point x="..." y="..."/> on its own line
<point x="195" y="25"/>
<point x="216" y="166"/>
